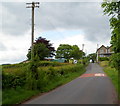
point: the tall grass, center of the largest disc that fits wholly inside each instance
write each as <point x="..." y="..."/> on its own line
<point x="12" y="96"/>
<point x="18" y="80"/>
<point x="113" y="74"/>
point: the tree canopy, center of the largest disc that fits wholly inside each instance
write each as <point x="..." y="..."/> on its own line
<point x="67" y="51"/>
<point x="64" y="51"/>
<point x="92" y="56"/>
<point x="113" y="10"/>
<point x="42" y="48"/>
<point x="76" y="53"/>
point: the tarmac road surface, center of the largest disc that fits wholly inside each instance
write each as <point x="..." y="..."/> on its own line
<point x="93" y="87"/>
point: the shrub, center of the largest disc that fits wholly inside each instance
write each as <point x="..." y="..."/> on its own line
<point x="115" y="61"/>
<point x="12" y="81"/>
<point x="103" y="58"/>
<point x="34" y="76"/>
<point x="53" y="74"/>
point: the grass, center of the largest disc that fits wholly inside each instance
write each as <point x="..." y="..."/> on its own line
<point x="12" y="96"/>
<point x="113" y="74"/>
<point x="104" y="63"/>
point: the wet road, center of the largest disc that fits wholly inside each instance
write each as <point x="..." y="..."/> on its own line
<point x="93" y="87"/>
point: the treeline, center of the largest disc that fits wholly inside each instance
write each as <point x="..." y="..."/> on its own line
<point x="113" y="10"/>
<point x="42" y="49"/>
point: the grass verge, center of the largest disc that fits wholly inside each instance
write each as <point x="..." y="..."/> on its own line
<point x="12" y="96"/>
<point x="18" y="95"/>
<point x="113" y="74"/>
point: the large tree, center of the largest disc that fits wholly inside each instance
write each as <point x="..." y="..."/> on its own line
<point x="67" y="51"/>
<point x="42" y="48"/>
<point x="113" y="10"/>
<point x="64" y="51"/>
<point x="76" y="53"/>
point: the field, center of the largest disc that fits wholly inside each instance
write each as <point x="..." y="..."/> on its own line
<point x="18" y="83"/>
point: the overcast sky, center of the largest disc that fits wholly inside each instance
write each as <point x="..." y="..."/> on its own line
<point x="61" y="23"/>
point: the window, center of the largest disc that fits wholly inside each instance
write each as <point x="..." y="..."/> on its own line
<point x="101" y="51"/>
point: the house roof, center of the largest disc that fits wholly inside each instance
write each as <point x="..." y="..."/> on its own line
<point x="104" y="47"/>
<point x="109" y="46"/>
<point x="101" y="47"/>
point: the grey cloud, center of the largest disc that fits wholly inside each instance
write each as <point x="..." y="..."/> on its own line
<point x="74" y="16"/>
<point x="9" y="59"/>
<point x="15" y="18"/>
<point x="51" y="16"/>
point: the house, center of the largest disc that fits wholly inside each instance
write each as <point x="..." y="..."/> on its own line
<point x="105" y="51"/>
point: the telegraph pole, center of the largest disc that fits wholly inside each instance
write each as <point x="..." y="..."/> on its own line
<point x="97" y="54"/>
<point x="82" y="51"/>
<point x="32" y="5"/>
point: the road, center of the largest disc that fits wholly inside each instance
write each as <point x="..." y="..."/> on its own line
<point x="90" y="88"/>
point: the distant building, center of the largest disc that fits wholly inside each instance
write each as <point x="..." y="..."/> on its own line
<point x="61" y="60"/>
<point x="105" y="51"/>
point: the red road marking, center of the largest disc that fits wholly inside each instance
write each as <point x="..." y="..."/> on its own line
<point x="93" y="75"/>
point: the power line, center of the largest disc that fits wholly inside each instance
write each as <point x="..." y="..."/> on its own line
<point x="53" y="26"/>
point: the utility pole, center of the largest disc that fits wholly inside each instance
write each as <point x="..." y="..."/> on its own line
<point x="97" y="54"/>
<point x="32" y="5"/>
<point x="82" y="51"/>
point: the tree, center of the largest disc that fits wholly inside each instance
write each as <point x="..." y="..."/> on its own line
<point x="64" y="51"/>
<point x="113" y="10"/>
<point x="76" y="53"/>
<point x="42" y="48"/>
<point x="92" y="56"/>
<point x="67" y="51"/>
<point x="48" y="45"/>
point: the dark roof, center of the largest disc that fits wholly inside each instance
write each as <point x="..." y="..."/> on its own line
<point x="104" y="47"/>
<point x="101" y="47"/>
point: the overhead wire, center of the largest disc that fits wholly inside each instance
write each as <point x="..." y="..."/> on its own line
<point x="53" y="26"/>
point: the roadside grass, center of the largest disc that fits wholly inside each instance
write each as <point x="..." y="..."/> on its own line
<point x="113" y="74"/>
<point x="12" y="96"/>
<point x="104" y="63"/>
<point x="57" y="76"/>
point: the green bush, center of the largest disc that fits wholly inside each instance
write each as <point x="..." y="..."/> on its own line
<point x="55" y="73"/>
<point x="115" y="61"/>
<point x="36" y="75"/>
<point x="49" y="63"/>
<point x="103" y="58"/>
<point x="12" y="81"/>
<point x="48" y="79"/>
<point x="48" y="75"/>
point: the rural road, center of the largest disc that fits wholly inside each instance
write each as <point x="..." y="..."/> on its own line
<point x="90" y="88"/>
